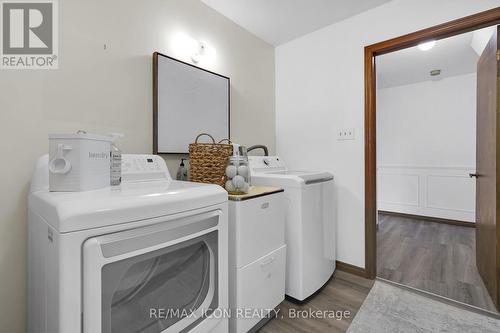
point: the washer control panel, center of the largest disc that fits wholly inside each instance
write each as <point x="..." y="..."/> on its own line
<point x="136" y="168"/>
<point x="266" y="163"/>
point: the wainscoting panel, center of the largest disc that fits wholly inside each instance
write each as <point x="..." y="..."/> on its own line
<point x="442" y="192"/>
<point x="399" y="189"/>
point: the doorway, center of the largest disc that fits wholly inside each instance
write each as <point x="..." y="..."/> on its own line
<point x="489" y="257"/>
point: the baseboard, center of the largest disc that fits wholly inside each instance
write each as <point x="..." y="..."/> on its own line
<point x="348" y="268"/>
<point x="430" y="219"/>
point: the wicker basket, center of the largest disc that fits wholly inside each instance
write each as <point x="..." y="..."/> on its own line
<point x="208" y="161"/>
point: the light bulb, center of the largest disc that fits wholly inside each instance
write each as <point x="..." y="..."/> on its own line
<point x="426" y="46"/>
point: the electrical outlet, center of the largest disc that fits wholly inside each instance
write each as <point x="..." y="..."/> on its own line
<point x="345" y="134"/>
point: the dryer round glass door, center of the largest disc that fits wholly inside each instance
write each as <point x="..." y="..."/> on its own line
<point x="154" y="291"/>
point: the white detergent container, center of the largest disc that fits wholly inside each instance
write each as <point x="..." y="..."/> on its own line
<point x="78" y="162"/>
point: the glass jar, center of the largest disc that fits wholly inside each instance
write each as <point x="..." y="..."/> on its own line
<point x="238" y="173"/>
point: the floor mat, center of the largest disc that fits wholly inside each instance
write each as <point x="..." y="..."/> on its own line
<point x="392" y="309"/>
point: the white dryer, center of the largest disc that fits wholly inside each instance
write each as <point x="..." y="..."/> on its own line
<point x="150" y="256"/>
<point x="310" y="223"/>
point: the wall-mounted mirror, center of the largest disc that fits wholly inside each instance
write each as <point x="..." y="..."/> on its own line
<point x="187" y="101"/>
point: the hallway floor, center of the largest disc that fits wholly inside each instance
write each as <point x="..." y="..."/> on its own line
<point x="344" y="292"/>
<point x="434" y="257"/>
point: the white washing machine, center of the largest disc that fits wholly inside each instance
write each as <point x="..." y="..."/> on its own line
<point x="310" y="223"/>
<point x="148" y="257"/>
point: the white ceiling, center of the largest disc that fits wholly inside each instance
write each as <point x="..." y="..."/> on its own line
<point x="453" y="56"/>
<point x="279" y="21"/>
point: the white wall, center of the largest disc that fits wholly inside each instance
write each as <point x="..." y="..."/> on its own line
<point x="320" y="87"/>
<point x="426" y="148"/>
<point x="430" y="123"/>
<point x="111" y="91"/>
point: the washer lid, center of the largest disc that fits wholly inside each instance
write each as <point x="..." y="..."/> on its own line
<point x="291" y="178"/>
<point x="73" y="211"/>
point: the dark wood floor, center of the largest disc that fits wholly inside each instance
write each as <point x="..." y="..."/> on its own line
<point x="435" y="257"/>
<point x="344" y="292"/>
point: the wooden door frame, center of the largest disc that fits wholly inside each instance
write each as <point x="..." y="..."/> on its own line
<point x="452" y="28"/>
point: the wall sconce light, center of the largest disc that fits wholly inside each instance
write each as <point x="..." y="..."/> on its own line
<point x="200" y="52"/>
<point x="189" y="49"/>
